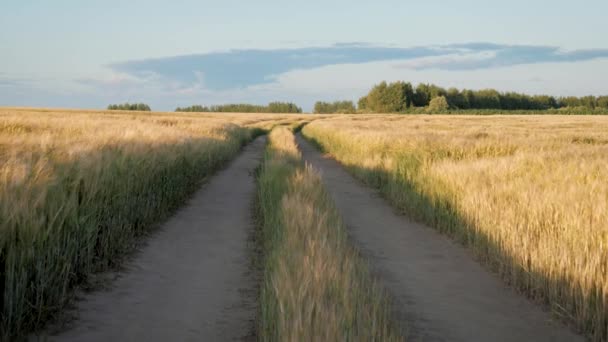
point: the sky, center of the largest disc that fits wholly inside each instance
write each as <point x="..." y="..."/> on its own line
<point x="88" y="54"/>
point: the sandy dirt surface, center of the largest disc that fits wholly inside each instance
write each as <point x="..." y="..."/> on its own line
<point x="193" y="280"/>
<point x="440" y="293"/>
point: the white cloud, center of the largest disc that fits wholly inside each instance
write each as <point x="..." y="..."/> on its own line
<point x="444" y="61"/>
<point x="344" y="81"/>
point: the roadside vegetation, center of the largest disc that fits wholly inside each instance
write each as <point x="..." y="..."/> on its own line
<point x="273" y="107"/>
<point x="315" y="286"/>
<point x="527" y="194"/>
<point x="77" y="189"/>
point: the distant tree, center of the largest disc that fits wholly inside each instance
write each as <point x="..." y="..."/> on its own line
<point x="602" y="102"/>
<point x="469" y="96"/>
<point x="438" y="104"/>
<point x="425" y="92"/>
<point x="321" y="107"/>
<point x="408" y="91"/>
<point x="130" y="106"/>
<point x="457" y="99"/>
<point x="509" y="100"/>
<point x="422" y="95"/>
<point x="283" y="107"/>
<point x="487" y="98"/>
<point x="436" y="91"/>
<point x="345" y="107"/>
<point x="588" y="101"/>
<point x="570" y="101"/>
<point x="376" y="98"/>
<point x="362" y="104"/>
<point x="142" y="107"/>
<point x="337" y="107"/>
<point x="273" y="107"/>
<point x="400" y="96"/>
<point x="195" y="108"/>
<point x="389" y="98"/>
<point x="543" y="102"/>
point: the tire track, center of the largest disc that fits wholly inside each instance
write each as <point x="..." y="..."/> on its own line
<point x="193" y="279"/>
<point x="440" y="293"/>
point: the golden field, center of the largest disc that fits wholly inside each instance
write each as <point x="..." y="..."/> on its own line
<point x="315" y="286"/>
<point x="528" y="194"/>
<point x="76" y="188"/>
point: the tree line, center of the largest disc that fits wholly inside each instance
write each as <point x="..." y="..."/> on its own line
<point x="399" y="97"/>
<point x="272" y="107"/>
<point x="337" y="107"/>
<point x="130" y="106"/>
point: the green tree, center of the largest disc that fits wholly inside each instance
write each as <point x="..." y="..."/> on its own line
<point x="436" y="91"/>
<point x="469" y="97"/>
<point x="570" y="101"/>
<point x="543" y="102"/>
<point x="283" y="107"/>
<point x="602" y="102"/>
<point x="457" y="99"/>
<point x="422" y="95"/>
<point x="195" y="108"/>
<point x="322" y="107"/>
<point x="346" y="107"/>
<point x="438" y="104"/>
<point x="130" y="106"/>
<point x="399" y="96"/>
<point x="389" y="98"/>
<point x="487" y="99"/>
<point x="337" y="107"/>
<point x="273" y="107"/>
<point x="362" y="104"/>
<point x="588" y="101"/>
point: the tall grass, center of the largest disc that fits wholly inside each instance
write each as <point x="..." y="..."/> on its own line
<point x="529" y="195"/>
<point x="315" y="287"/>
<point x="76" y="189"/>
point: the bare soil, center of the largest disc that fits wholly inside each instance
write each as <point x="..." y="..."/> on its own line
<point x="439" y="292"/>
<point x="193" y="280"/>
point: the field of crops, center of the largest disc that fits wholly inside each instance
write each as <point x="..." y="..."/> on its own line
<point x="528" y="194"/>
<point x="315" y="287"/>
<point x="76" y="187"/>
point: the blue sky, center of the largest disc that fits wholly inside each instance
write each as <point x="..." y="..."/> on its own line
<point x="90" y="53"/>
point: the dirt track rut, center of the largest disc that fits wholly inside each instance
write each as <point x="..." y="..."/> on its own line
<point x="440" y="293"/>
<point x="193" y="280"/>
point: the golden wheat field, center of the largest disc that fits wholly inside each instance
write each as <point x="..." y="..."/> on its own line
<point x="529" y="194"/>
<point x="316" y="287"/>
<point x="77" y="186"/>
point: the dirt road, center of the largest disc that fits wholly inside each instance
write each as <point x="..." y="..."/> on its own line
<point x="193" y="279"/>
<point x="440" y="293"/>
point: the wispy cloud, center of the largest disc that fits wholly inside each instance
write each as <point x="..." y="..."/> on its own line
<point x="244" y="68"/>
<point x="11" y="83"/>
<point x="8" y="81"/>
<point x="305" y="75"/>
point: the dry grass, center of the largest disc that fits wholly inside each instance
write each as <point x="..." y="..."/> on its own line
<point x="315" y="288"/>
<point x="76" y="188"/>
<point x="528" y="194"/>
